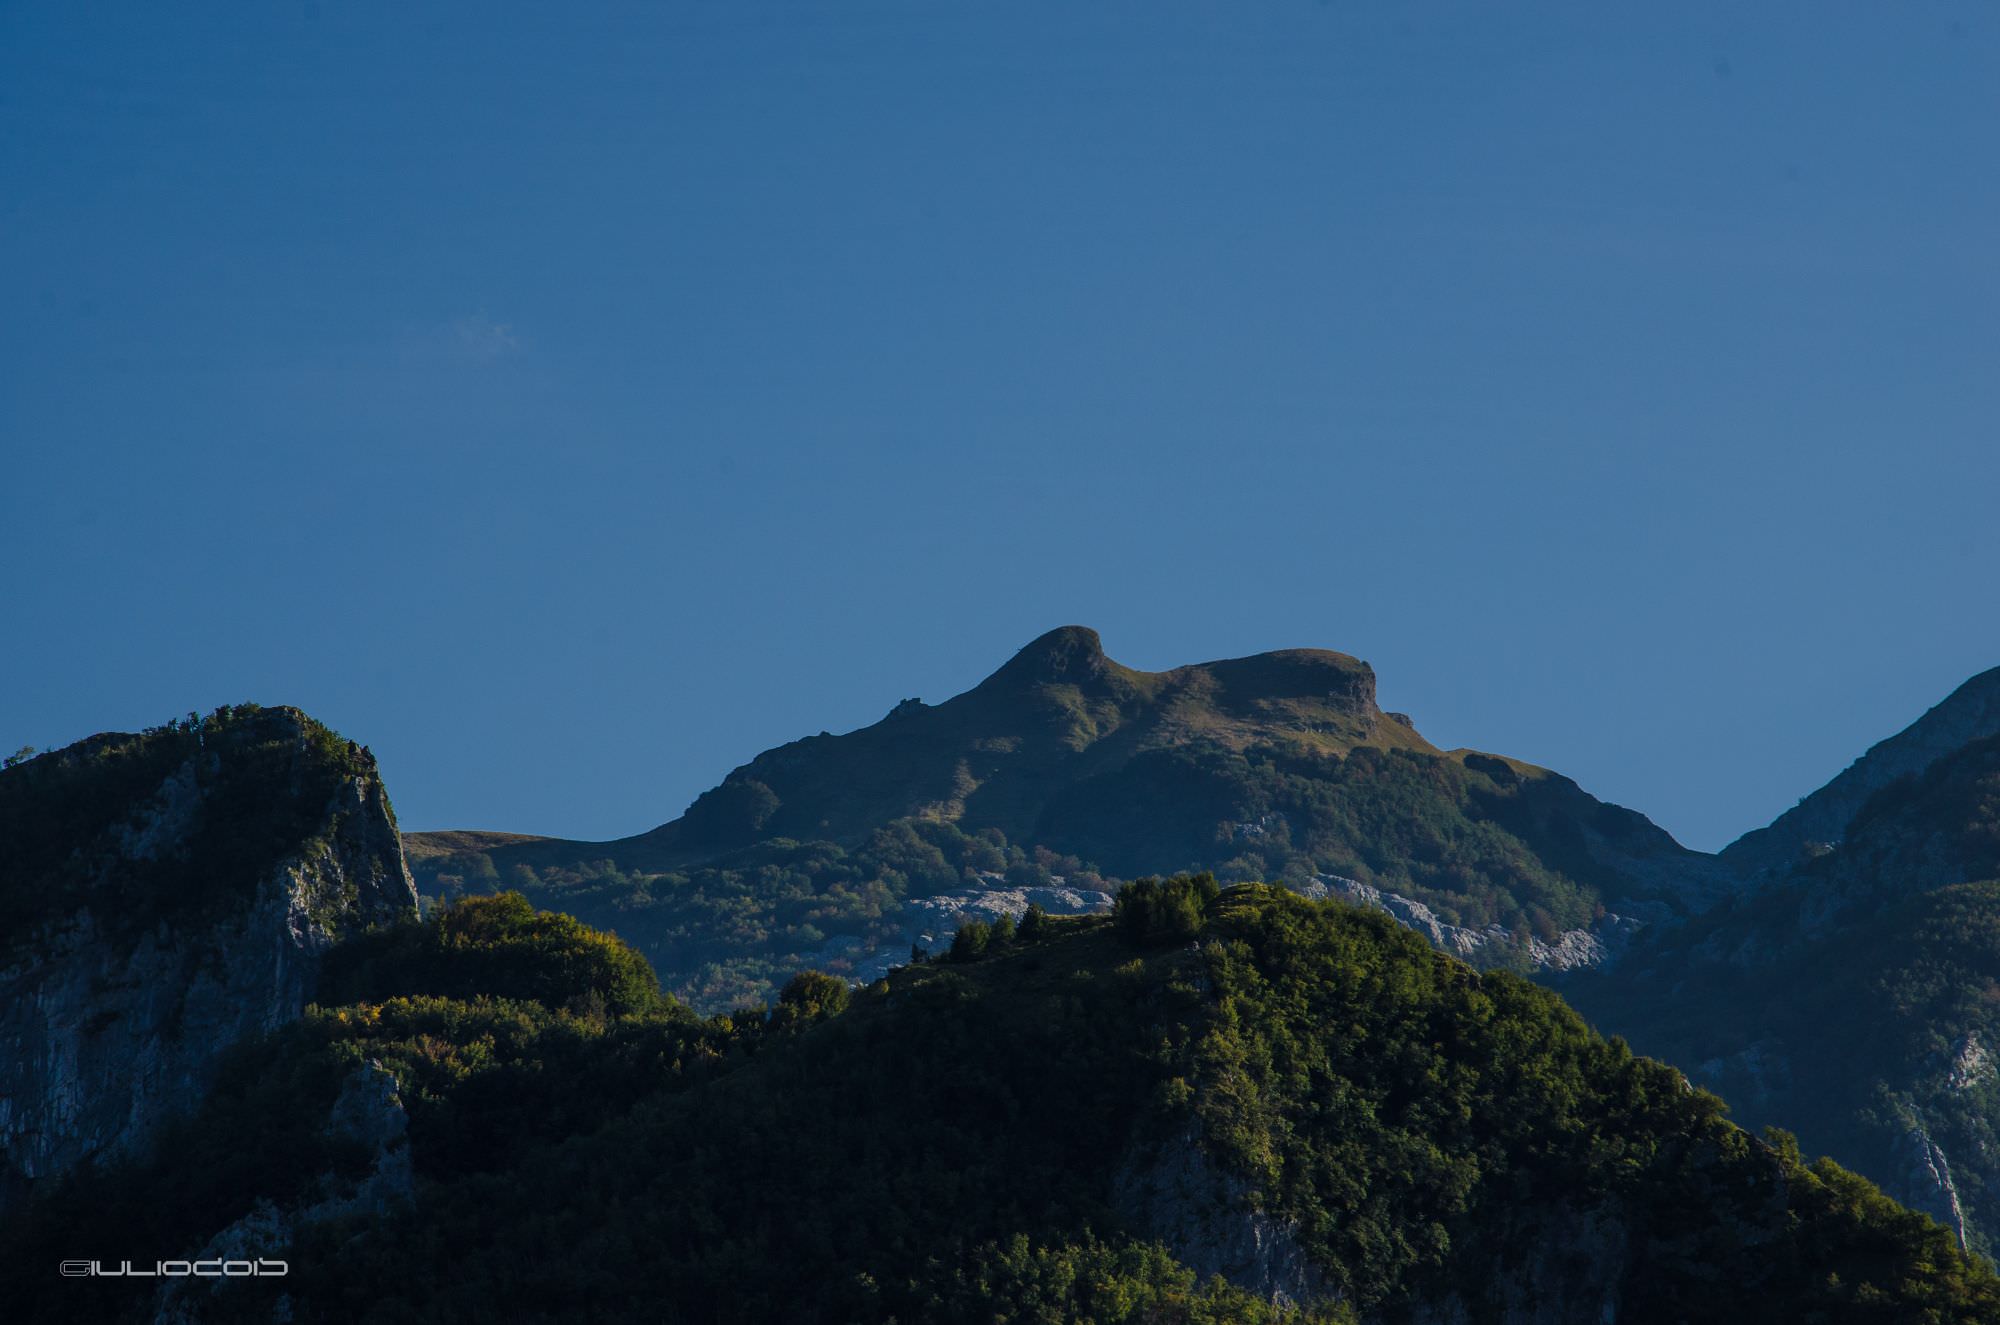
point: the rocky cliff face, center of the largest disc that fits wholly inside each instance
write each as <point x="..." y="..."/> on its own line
<point x="114" y="1018"/>
<point x="1573" y="949"/>
<point x="368" y="1112"/>
<point x="1208" y="1218"/>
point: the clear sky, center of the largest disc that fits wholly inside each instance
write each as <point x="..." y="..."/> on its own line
<point x="570" y="401"/>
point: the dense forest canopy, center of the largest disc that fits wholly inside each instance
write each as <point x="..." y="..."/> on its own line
<point x="972" y="1139"/>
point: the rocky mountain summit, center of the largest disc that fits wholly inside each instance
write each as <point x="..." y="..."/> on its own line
<point x="1067" y="765"/>
<point x="166" y="895"/>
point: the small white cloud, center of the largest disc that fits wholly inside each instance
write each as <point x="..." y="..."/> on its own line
<point x="470" y="338"/>
<point x="481" y="337"/>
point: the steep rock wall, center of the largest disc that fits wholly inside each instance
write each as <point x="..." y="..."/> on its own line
<point x="104" y="1034"/>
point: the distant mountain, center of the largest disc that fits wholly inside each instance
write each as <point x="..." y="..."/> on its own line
<point x="1235" y="1106"/>
<point x="1855" y="997"/>
<point x="1064" y="772"/>
<point x="163" y="895"/>
<point x="1970" y="713"/>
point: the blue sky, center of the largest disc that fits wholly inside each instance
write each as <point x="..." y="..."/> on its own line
<point x="571" y="401"/>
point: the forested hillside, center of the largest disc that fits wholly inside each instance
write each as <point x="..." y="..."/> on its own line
<point x="1212" y="1102"/>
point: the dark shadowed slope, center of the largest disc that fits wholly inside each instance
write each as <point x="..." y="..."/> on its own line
<point x="1970" y="713"/>
<point x="1855" y="998"/>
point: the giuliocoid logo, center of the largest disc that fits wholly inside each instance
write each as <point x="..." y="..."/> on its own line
<point x="209" y="1269"/>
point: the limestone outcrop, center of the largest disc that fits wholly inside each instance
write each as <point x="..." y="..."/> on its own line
<point x="114" y="1016"/>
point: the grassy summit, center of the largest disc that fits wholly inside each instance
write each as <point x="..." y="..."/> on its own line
<point x="1066" y="763"/>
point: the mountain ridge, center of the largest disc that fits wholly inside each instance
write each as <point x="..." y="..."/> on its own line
<point x="1854" y="997"/>
<point x="1969" y="713"/>
<point x="1066" y="767"/>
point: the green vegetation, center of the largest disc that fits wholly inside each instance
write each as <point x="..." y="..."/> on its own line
<point x="1421" y="1124"/>
<point x="732" y="931"/>
<point x="1088" y="1281"/>
<point x="1150" y="912"/>
<point x="178" y="820"/>
<point x="957" y="1143"/>
<point x="499" y="947"/>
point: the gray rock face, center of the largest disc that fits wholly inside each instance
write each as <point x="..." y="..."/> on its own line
<point x="101" y="1042"/>
<point x="1970" y="713"/>
<point x="1949" y="1103"/>
<point x="929" y="922"/>
<point x="1929" y="1111"/>
<point x="933" y="920"/>
<point x="1209" y="1220"/>
<point x="261" y="1235"/>
<point x="1573" y="949"/>
<point x="369" y="1110"/>
<point x="1926" y="1182"/>
<point x="1971" y="1064"/>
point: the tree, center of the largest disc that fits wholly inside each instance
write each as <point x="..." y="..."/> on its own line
<point x="1149" y="911"/>
<point x="808" y="997"/>
<point x="969" y="943"/>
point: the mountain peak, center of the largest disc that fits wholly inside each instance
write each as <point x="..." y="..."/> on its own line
<point x="1301" y="673"/>
<point x="1072" y="655"/>
<point x="1968" y="714"/>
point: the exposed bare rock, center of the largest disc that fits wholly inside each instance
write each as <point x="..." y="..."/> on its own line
<point x="929" y="922"/>
<point x="933" y="920"/>
<point x="104" y="1034"/>
<point x="1925" y="1182"/>
<point x="1573" y="949"/>
<point x="1971" y="1064"/>
<point x="1209" y="1220"/>
<point x="369" y="1110"/>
